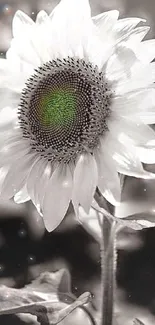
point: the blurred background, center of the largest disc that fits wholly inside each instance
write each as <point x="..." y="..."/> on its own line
<point x="26" y="249"/>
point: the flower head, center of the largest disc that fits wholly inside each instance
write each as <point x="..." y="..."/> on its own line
<point x="78" y="93"/>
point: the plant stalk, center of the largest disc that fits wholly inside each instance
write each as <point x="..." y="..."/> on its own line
<point x="108" y="261"/>
<point x="108" y="267"/>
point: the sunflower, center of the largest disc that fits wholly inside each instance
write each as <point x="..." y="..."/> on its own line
<point x="77" y="94"/>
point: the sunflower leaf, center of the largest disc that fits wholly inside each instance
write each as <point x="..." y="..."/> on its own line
<point x="143" y="220"/>
<point x="45" y="298"/>
<point x="137" y="221"/>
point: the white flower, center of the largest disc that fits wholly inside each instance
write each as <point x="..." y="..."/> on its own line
<point x="77" y="94"/>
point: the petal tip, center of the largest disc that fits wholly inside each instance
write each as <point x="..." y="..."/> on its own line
<point x="21" y="14"/>
<point x="116" y="13"/>
<point x="41" y="16"/>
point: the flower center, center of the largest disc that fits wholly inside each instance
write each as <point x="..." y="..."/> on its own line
<point x="57" y="108"/>
<point x="64" y="109"/>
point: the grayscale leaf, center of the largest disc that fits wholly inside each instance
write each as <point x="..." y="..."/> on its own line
<point x="136" y="221"/>
<point x="45" y="298"/>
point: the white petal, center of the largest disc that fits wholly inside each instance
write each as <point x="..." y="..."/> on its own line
<point x="7" y="115"/>
<point x="106" y="20"/>
<point x="138" y="99"/>
<point x="13" y="184"/>
<point x="44" y="174"/>
<point x="8" y="136"/>
<point x="97" y="51"/>
<point x="3" y="64"/>
<point x="9" y="75"/>
<point x="139" y="102"/>
<point x="4" y="67"/>
<point x="14" y="136"/>
<point x="126" y="130"/>
<point x="72" y="7"/>
<point x="3" y="173"/>
<point x="24" y="31"/>
<point x="146" y="154"/>
<point x="43" y="40"/>
<point x="125" y="158"/>
<point x="124" y="26"/>
<point x="108" y="179"/>
<point x="20" y="70"/>
<point x="102" y="45"/>
<point x="57" y="197"/>
<point x="69" y="36"/>
<point x="142" y="76"/>
<point x="145" y="117"/>
<point x="34" y="178"/>
<point x="4" y="71"/>
<point x="85" y="181"/>
<point x="9" y="98"/>
<point x="25" y="49"/>
<point x="145" y="51"/>
<point x="13" y="151"/>
<point x="22" y="196"/>
<point x="121" y="63"/>
<point x="42" y="17"/>
<point x="21" y="23"/>
<point x="136" y="35"/>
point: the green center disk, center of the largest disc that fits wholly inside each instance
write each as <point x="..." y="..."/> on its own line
<point x="58" y="108"/>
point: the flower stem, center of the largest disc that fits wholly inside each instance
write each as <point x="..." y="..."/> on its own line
<point x="108" y="260"/>
<point x="108" y="263"/>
